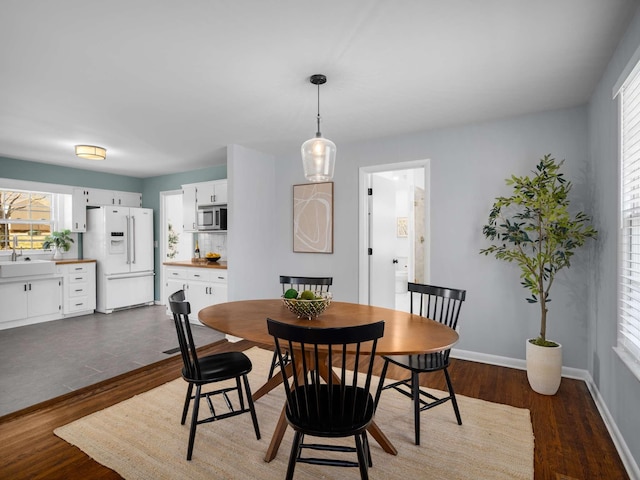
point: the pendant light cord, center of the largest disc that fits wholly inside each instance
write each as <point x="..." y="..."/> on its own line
<point x="318" y="134"/>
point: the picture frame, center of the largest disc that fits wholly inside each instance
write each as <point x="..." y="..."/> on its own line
<point x="313" y="217"/>
<point x="403" y="227"/>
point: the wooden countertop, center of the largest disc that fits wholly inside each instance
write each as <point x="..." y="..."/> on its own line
<point x="201" y="264"/>
<point x="67" y="261"/>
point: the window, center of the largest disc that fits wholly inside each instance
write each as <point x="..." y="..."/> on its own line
<point x="26" y="217"/>
<point x="629" y="259"/>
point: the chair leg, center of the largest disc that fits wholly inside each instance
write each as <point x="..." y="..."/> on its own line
<point x="194" y="421"/>
<point x="415" y="392"/>
<point x="186" y="404"/>
<point x="365" y="440"/>
<point x="454" y="402"/>
<point x="295" y="452"/>
<point x="274" y="360"/>
<point x="362" y="458"/>
<point x="380" y="385"/>
<point x="252" y="409"/>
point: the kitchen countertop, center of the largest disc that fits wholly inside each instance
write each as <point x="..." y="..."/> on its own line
<point x="189" y="263"/>
<point x="68" y="261"/>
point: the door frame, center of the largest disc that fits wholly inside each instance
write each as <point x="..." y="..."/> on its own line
<point x="163" y="242"/>
<point x="364" y="174"/>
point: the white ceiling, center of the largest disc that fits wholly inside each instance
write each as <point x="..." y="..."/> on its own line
<point x="166" y="85"/>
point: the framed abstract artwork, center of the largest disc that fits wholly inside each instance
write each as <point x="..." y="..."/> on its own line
<point x="313" y="218"/>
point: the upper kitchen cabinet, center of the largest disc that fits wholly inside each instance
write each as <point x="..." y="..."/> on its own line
<point x="197" y="194"/>
<point x="96" y="197"/>
<point x="189" y="208"/>
<point x="212" y="193"/>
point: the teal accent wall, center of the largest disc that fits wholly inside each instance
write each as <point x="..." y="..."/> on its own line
<point x="47" y="173"/>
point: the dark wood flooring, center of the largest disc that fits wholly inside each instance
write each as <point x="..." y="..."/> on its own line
<point x="571" y="440"/>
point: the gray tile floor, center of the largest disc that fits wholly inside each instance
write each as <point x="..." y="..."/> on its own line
<point x="42" y="361"/>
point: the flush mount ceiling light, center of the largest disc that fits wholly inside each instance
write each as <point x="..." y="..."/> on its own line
<point x="318" y="153"/>
<point x="91" y="152"/>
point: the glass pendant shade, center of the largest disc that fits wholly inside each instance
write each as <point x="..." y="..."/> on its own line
<point x="318" y="159"/>
<point x="318" y="153"/>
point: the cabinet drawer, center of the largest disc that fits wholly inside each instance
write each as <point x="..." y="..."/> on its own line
<point x="173" y="272"/>
<point x="78" y="304"/>
<point x="78" y="290"/>
<point x="75" y="277"/>
<point x="202" y="274"/>
<point x="79" y="268"/>
<point x="219" y="275"/>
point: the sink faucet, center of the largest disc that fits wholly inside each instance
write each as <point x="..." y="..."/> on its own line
<point x="14" y="255"/>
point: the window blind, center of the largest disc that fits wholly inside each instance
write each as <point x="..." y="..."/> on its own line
<point x="629" y="277"/>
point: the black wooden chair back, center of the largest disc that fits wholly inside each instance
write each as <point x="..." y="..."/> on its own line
<point x="181" y="311"/>
<point x="323" y="401"/>
<point x="437" y="303"/>
<point x="315" y="284"/>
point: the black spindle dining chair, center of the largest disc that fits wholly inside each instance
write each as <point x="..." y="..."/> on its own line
<point x="199" y="371"/>
<point x="443" y="305"/>
<point x="323" y="401"/>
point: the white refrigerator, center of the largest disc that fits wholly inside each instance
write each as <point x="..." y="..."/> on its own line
<point x="121" y="240"/>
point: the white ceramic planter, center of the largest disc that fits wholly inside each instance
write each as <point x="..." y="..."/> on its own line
<point x="544" y="368"/>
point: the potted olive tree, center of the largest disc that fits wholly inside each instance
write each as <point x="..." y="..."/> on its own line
<point x="533" y="228"/>
<point x="59" y="241"/>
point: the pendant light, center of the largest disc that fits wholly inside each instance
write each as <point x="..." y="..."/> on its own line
<point x="318" y="153"/>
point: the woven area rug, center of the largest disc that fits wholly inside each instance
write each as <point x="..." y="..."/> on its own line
<point x="141" y="438"/>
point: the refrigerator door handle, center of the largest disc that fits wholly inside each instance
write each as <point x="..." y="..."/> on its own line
<point x="133" y="239"/>
<point x="128" y="245"/>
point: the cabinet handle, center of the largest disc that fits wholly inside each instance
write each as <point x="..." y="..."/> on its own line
<point x="29" y="287"/>
<point x="78" y="268"/>
<point x="25" y="287"/>
<point x="78" y="290"/>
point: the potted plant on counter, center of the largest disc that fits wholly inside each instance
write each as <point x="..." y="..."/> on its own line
<point x="59" y="241"/>
<point x="533" y="227"/>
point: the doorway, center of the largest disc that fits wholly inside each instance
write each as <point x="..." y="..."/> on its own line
<point x="394" y="241"/>
<point x="174" y="243"/>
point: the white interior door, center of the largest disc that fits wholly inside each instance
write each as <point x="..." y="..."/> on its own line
<point x="382" y="228"/>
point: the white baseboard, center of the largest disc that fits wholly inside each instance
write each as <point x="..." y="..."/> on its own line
<point x="633" y="470"/>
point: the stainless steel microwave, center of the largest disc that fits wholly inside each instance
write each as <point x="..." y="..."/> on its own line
<point x="212" y="217"/>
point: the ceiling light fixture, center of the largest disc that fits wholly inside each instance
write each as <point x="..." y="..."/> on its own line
<point x="91" y="152"/>
<point x="318" y="153"/>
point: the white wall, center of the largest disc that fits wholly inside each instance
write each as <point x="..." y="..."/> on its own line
<point x="251" y="238"/>
<point x="468" y="168"/>
<point x="619" y="389"/>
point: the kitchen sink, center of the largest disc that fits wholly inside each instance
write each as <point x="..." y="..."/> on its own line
<point x="23" y="268"/>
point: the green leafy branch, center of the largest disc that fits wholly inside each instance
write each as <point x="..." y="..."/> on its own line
<point x="533" y="227"/>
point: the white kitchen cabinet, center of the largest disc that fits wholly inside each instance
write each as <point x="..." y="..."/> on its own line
<point x="211" y="193"/>
<point x="78" y="288"/>
<point x="202" y="287"/>
<point x="97" y="197"/>
<point x="30" y="300"/>
<point x="127" y="199"/>
<point x="189" y="208"/>
<point x="202" y="193"/>
<point x="79" y="210"/>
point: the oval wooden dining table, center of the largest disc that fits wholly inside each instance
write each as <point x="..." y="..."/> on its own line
<point x="404" y="333"/>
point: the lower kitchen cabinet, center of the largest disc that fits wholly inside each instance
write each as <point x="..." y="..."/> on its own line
<point x="202" y="287"/>
<point x="79" y="288"/>
<point x="30" y="300"/>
